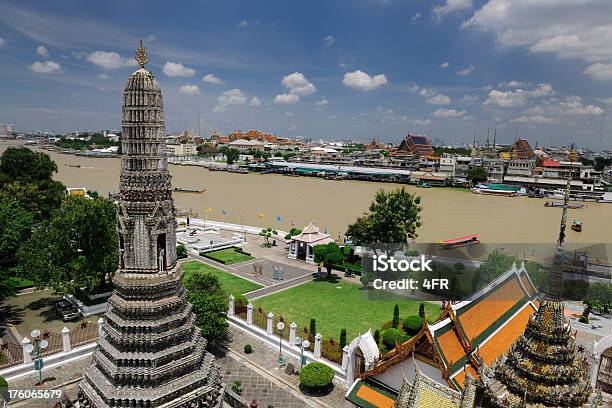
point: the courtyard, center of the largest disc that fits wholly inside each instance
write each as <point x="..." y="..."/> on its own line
<point x="339" y="304"/>
<point x="231" y="284"/>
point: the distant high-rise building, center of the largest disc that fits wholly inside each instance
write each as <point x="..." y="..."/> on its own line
<point x="6" y="129"/>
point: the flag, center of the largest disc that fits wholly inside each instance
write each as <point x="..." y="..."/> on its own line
<point x="279" y="218"/>
<point x="260" y="215"/>
<point x="223" y="211"/>
<point x="208" y="209"/>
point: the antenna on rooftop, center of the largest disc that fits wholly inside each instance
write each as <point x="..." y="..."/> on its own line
<point x="601" y="130"/>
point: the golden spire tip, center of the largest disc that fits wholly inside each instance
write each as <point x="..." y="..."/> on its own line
<point x="141" y="55"/>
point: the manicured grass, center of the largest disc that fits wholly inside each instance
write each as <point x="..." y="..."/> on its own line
<point x="340" y="305"/>
<point x="228" y="256"/>
<point x="230" y="283"/>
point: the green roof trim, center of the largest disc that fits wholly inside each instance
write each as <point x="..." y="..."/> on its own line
<point x="374" y="385"/>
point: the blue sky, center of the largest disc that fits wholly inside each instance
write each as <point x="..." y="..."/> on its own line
<point x="322" y="69"/>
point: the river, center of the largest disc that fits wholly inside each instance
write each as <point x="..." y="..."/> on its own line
<point x="332" y="205"/>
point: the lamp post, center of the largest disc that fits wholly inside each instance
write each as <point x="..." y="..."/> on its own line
<point x="39" y="344"/>
<point x="303" y="345"/>
<point x="280" y="326"/>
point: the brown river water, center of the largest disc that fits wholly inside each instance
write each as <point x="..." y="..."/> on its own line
<point x="332" y="205"/>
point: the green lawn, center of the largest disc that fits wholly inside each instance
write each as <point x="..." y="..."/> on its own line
<point x="340" y="305"/>
<point x="228" y="256"/>
<point x="230" y="283"/>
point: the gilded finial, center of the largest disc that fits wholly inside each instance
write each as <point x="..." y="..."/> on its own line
<point x="141" y="55"/>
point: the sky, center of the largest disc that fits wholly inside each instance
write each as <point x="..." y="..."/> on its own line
<point x="320" y="69"/>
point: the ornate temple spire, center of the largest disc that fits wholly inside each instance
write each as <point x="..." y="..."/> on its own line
<point x="151" y="354"/>
<point x="141" y="56"/>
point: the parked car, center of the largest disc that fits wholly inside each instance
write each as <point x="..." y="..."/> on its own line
<point x="66" y="310"/>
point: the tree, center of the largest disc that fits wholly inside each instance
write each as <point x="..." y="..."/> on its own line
<point x="23" y="164"/>
<point x="477" y="174"/>
<point x="267" y="233"/>
<point x="231" y="155"/>
<point x="395" y="321"/>
<point x="77" y="247"/>
<point x="459" y="268"/>
<point x="377" y="336"/>
<point x="599" y="296"/>
<point x="15" y="226"/>
<point x="422" y="310"/>
<point x="313" y="328"/>
<point x="393" y="217"/>
<point x="209" y="302"/>
<point x="342" y="338"/>
<point x="329" y="255"/>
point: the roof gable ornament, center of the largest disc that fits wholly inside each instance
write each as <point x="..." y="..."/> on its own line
<point x="141" y="55"/>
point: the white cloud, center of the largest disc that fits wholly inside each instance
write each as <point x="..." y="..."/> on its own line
<point x="470" y="98"/>
<point x="518" y="97"/>
<point x="243" y="23"/>
<point x="286" y="99"/>
<point x="255" y="101"/>
<point x="432" y="97"/>
<point x="298" y="84"/>
<point x="445" y="64"/>
<point x="534" y="119"/>
<point x="362" y="81"/>
<point x="414" y="18"/>
<point x="176" y="69"/>
<point x="210" y="78"/>
<point x="599" y="71"/>
<point x="422" y="122"/>
<point x="570" y="105"/>
<point x="438" y="99"/>
<point x="567" y="28"/>
<point x="102" y="76"/>
<point x="2" y="42"/>
<point x="466" y="71"/>
<point x="329" y="40"/>
<point x="322" y="103"/>
<point x="448" y="113"/>
<point x="293" y="127"/>
<point x="107" y="59"/>
<point x="47" y="67"/>
<point x="42" y="51"/>
<point x="514" y="84"/>
<point x="231" y="97"/>
<point x="451" y="6"/>
<point x="190" y="90"/>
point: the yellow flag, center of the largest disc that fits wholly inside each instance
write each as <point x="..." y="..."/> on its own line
<point x="260" y="215"/>
<point x="209" y="209"/>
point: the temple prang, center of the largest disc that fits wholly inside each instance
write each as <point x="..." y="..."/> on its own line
<point x="151" y="354"/>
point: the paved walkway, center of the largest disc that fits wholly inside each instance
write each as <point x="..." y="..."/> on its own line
<point x="259" y="373"/>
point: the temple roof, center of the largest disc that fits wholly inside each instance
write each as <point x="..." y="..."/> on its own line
<point x="311" y="234"/>
<point x="472" y="331"/>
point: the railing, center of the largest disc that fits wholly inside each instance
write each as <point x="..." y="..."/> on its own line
<point x="10" y="354"/>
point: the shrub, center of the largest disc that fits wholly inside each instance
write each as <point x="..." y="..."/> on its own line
<point x="422" y="310"/>
<point x="317" y="377"/>
<point x="391" y="337"/>
<point x="241" y="299"/>
<point x="313" y="328"/>
<point x="181" y="251"/>
<point x="248" y="349"/>
<point x="342" y="338"/>
<point x="395" y="321"/>
<point x="412" y="325"/>
<point x="583" y="319"/>
<point x="377" y="336"/>
<point x="3" y="383"/>
<point x="237" y="387"/>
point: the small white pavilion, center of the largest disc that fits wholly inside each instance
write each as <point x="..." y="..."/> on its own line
<point x="302" y="245"/>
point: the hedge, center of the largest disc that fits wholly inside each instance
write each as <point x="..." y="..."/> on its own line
<point x="391" y="337"/>
<point x="317" y="377"/>
<point x="412" y="325"/>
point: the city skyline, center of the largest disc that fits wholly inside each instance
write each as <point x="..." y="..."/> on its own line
<point x="349" y="70"/>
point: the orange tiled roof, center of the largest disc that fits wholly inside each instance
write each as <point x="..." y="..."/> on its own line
<point x="375" y="398"/>
<point x="479" y="317"/>
<point x="503" y="339"/>
<point x="451" y="347"/>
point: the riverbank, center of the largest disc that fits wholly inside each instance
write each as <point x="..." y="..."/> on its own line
<point x="257" y="199"/>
